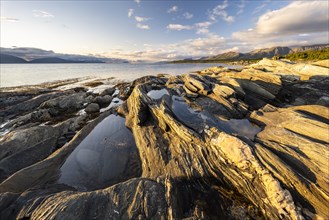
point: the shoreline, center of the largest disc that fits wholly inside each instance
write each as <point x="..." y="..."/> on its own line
<point x="213" y="139"/>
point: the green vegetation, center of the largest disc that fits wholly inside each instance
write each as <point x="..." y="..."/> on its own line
<point x="313" y="55"/>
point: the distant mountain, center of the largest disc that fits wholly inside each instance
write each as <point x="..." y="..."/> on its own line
<point x="224" y="56"/>
<point x="262" y="53"/>
<point x="310" y="47"/>
<point x="56" y="60"/>
<point x="32" y="54"/>
<point x="267" y="52"/>
<point x="5" y="58"/>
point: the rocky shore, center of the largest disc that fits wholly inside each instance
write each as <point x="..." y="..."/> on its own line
<point x="250" y="143"/>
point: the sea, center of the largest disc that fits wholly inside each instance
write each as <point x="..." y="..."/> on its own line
<point x="12" y="75"/>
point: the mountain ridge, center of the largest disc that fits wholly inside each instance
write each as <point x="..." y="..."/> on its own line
<point x="29" y="54"/>
<point x="263" y="53"/>
<point x="256" y="54"/>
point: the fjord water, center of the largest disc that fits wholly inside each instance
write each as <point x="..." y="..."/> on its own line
<point x="31" y="74"/>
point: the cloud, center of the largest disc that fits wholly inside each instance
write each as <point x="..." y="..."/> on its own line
<point x="205" y="24"/>
<point x="188" y="15"/>
<point x="130" y="12"/>
<point x="201" y="27"/>
<point x="241" y="7"/>
<point x="219" y="11"/>
<point x="258" y="9"/>
<point x="42" y="14"/>
<point x="173" y="9"/>
<point x="202" y="31"/>
<point x="141" y="19"/>
<point x="9" y="19"/>
<point x="178" y="27"/>
<point x="198" y="47"/>
<point x="289" y="21"/>
<point x="137" y="1"/>
<point x="206" y="43"/>
<point x="143" y="26"/>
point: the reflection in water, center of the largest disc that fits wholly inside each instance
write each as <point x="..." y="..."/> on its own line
<point x="102" y="157"/>
<point x="243" y="127"/>
<point x="157" y="94"/>
<point x="199" y="120"/>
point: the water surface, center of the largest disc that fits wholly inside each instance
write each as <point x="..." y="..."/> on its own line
<point x="31" y="74"/>
<point x="102" y="158"/>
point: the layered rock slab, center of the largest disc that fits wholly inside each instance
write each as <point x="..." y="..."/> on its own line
<point x="194" y="162"/>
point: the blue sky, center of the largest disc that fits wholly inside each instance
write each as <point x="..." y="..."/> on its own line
<point x="161" y="30"/>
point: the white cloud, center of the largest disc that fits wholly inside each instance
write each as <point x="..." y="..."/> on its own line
<point x="143" y="26"/>
<point x="206" y="43"/>
<point x="226" y="17"/>
<point x="42" y="14"/>
<point x="219" y="11"/>
<point x="137" y="1"/>
<point x="173" y="9"/>
<point x="221" y="7"/>
<point x="178" y="27"/>
<point x="141" y="19"/>
<point x="188" y="15"/>
<point x="201" y="27"/>
<point x="202" y="31"/>
<point x="258" y="9"/>
<point x="241" y="7"/>
<point x="205" y="24"/>
<point x="9" y="19"/>
<point x="289" y="21"/>
<point x="198" y="47"/>
<point x="130" y="12"/>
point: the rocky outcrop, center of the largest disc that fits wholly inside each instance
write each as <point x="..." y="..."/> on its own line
<point x="92" y="108"/>
<point x="226" y="144"/>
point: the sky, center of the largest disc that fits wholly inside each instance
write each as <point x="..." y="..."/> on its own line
<point x="161" y="29"/>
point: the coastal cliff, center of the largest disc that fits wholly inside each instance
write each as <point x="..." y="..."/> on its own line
<point x="246" y="143"/>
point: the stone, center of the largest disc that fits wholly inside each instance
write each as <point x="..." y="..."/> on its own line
<point x="240" y="147"/>
<point x="324" y="100"/>
<point x="103" y="101"/>
<point x="68" y="103"/>
<point x="224" y="91"/>
<point x="108" y="91"/>
<point x="92" y="108"/>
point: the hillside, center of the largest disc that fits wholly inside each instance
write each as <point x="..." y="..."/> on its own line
<point x="5" y="58"/>
<point x="267" y="53"/>
<point x="322" y="54"/>
<point x="259" y="54"/>
<point x="225" y="56"/>
<point x="31" y="54"/>
<point x="54" y="60"/>
<point x="308" y="48"/>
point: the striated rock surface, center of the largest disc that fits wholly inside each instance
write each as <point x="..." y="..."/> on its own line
<point x="223" y="144"/>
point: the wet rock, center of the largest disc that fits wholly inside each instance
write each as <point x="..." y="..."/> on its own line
<point x="234" y="145"/>
<point x="24" y="107"/>
<point x="108" y="91"/>
<point x="70" y="103"/>
<point x="92" y="108"/>
<point x="103" y="101"/>
<point x="22" y="148"/>
<point x="41" y="115"/>
<point x="324" y="100"/>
